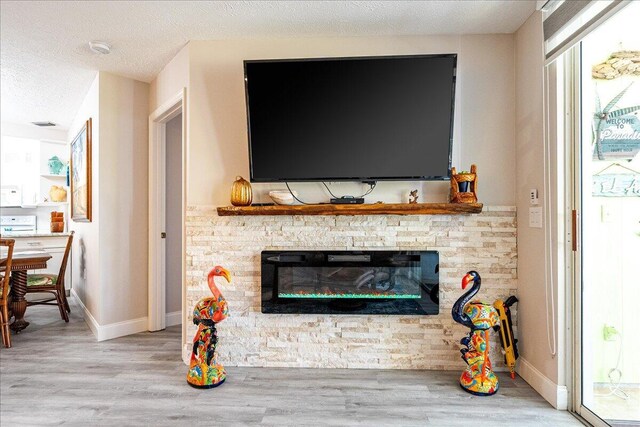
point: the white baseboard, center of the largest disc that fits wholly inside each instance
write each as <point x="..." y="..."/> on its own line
<point x="556" y="395"/>
<point x="88" y="317"/>
<point x="121" y="329"/>
<point x="172" y="319"/>
<point x="112" y="330"/>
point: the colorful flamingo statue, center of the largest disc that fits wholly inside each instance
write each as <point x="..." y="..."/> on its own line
<point x="204" y="369"/>
<point x="478" y="378"/>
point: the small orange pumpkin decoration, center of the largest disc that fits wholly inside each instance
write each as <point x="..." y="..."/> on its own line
<point x="241" y="194"/>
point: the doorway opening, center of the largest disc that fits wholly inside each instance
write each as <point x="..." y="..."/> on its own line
<point x="173" y="222"/>
<point x="167" y="211"/>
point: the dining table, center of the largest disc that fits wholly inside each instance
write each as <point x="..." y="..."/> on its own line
<point x="21" y="262"/>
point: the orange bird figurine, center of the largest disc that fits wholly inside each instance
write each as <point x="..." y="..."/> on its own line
<point x="204" y="369"/>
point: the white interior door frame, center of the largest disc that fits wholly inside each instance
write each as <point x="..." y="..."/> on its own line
<point x="157" y="204"/>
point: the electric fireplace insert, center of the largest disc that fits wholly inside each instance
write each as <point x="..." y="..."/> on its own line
<point x="350" y="282"/>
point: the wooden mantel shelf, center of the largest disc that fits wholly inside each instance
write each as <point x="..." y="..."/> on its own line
<point x="365" y="209"/>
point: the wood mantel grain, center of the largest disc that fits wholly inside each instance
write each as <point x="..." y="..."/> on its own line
<point x="365" y="209"/>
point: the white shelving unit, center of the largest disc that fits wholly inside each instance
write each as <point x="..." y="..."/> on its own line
<point x="48" y="149"/>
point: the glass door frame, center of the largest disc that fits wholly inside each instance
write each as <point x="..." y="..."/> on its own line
<point x="563" y="133"/>
<point x="572" y="128"/>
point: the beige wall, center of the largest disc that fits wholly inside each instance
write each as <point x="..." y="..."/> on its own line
<point x="217" y="129"/>
<point x="110" y="253"/>
<point x="173" y="77"/>
<point x="86" y="243"/>
<point x="530" y="174"/>
<point x="498" y="126"/>
<point x="487" y="85"/>
<point x="124" y="153"/>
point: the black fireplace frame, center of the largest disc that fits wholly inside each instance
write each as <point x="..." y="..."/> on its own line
<point x="427" y="304"/>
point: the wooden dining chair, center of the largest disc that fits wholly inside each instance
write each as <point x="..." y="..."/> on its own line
<point x="4" y="291"/>
<point x="54" y="284"/>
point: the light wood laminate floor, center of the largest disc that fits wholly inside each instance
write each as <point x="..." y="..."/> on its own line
<point x="57" y="374"/>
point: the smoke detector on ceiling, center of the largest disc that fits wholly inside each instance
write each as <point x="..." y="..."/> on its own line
<point x="102" y="48"/>
<point x="44" y="124"/>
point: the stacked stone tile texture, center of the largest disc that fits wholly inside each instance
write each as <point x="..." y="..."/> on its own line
<point x="484" y="242"/>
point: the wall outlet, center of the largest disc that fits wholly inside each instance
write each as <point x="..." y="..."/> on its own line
<point x="535" y="217"/>
<point x="609" y="333"/>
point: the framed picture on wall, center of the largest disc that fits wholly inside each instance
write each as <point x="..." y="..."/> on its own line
<point x="81" y="175"/>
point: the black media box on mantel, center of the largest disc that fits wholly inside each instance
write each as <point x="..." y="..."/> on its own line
<point x="347" y="200"/>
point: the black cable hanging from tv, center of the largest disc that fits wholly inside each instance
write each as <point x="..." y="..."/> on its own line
<point x="372" y="186"/>
<point x="294" y="196"/>
<point x="329" y="190"/>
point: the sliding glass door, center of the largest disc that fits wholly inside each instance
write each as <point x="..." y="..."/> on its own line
<point x="608" y="212"/>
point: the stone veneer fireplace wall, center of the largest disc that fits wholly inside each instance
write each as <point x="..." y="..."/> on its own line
<point x="485" y="242"/>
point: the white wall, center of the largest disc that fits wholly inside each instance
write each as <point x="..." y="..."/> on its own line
<point x="86" y="243"/>
<point x="31" y="131"/>
<point x="217" y="127"/>
<point x="110" y="253"/>
<point x="174" y="215"/>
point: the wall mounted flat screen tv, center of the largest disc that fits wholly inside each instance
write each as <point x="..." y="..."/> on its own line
<point x="351" y="119"/>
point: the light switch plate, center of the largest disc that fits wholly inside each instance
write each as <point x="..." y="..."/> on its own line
<point x="535" y="217"/>
<point x="533" y="196"/>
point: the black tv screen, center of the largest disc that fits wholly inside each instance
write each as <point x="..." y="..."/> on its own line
<point x="351" y="119"/>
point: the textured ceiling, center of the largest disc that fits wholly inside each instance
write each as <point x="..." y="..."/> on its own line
<point x="47" y="66"/>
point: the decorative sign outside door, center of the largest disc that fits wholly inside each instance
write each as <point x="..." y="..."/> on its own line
<point x="616" y="185"/>
<point x="616" y="132"/>
<point x="619" y="138"/>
